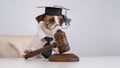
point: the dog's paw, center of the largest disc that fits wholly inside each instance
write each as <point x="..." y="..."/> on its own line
<point x="27" y="51"/>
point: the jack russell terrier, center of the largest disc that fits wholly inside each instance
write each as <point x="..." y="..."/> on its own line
<point x="48" y="24"/>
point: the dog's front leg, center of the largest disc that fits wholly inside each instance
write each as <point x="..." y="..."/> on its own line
<point x="36" y="43"/>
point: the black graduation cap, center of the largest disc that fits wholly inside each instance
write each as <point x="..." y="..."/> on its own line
<point x="53" y="11"/>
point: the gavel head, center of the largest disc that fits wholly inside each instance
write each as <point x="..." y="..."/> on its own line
<point x="61" y="41"/>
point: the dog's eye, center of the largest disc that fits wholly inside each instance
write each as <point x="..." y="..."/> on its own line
<point x="61" y="21"/>
<point x="52" y="21"/>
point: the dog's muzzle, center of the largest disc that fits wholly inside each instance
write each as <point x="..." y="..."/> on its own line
<point x="56" y="26"/>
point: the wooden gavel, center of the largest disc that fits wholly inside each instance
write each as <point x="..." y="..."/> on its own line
<point x="60" y="42"/>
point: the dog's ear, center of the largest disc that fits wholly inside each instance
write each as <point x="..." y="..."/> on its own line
<point x="40" y="18"/>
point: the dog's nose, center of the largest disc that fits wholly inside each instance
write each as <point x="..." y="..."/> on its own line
<point x="59" y="30"/>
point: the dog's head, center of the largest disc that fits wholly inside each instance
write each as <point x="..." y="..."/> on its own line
<point x="50" y="21"/>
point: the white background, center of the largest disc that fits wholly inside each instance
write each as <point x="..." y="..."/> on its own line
<point x="94" y="30"/>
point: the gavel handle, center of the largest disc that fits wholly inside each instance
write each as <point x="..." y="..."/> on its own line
<point x="41" y="50"/>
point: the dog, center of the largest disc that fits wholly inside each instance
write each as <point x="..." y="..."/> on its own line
<point x="47" y="26"/>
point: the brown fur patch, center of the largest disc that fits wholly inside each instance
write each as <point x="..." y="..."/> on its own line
<point x="49" y="24"/>
<point x="40" y="18"/>
<point x="47" y="18"/>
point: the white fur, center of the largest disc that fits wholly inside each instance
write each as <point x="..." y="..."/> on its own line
<point x="56" y="20"/>
<point x="43" y="32"/>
